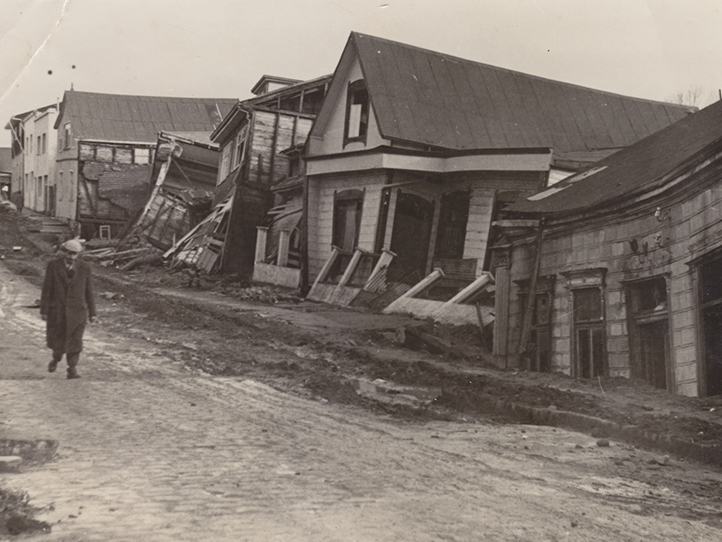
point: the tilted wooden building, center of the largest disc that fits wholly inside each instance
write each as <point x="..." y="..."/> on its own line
<point x="414" y="155"/>
<point x="253" y="138"/>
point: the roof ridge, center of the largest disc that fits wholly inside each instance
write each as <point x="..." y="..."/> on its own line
<point x="447" y="56"/>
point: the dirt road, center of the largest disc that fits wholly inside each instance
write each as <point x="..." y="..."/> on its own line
<point x="150" y="450"/>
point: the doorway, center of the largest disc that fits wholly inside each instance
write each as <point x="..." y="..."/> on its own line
<point x="411" y="233"/>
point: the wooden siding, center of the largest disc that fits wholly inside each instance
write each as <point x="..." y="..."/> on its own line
<point x="273" y="132"/>
<point x="320" y="216"/>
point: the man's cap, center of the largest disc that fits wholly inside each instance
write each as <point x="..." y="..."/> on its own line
<point x="73" y="246"/>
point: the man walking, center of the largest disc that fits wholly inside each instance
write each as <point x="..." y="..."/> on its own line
<point x="66" y="304"/>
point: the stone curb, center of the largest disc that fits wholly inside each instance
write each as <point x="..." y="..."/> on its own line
<point x="705" y="453"/>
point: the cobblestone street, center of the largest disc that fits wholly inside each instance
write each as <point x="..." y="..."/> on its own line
<point x="151" y="451"/>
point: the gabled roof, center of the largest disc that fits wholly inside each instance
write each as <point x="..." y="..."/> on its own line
<point x="117" y="117"/>
<point x="430" y="98"/>
<point x="636" y="169"/>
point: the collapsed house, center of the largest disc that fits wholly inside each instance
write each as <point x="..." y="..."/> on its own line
<point x="256" y="140"/>
<point x="616" y="271"/>
<point x="105" y="146"/>
<point x="184" y="171"/>
<point x="414" y="155"/>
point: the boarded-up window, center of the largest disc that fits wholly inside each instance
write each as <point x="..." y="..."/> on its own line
<point x="357" y="112"/>
<point x="103" y="153"/>
<point x="141" y="156"/>
<point x="124" y="156"/>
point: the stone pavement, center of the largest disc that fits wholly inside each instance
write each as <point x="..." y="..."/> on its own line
<point x="149" y="451"/>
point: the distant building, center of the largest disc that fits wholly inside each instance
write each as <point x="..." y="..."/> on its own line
<point x="105" y="148"/>
<point x="6" y="170"/>
<point x="33" y="159"/>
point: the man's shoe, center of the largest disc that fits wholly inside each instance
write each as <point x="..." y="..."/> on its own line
<point x="52" y="366"/>
<point x="72" y="374"/>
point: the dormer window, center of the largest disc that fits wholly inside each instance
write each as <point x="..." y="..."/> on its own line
<point x="357" y="112"/>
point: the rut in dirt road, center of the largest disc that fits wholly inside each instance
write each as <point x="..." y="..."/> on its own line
<point x="150" y="450"/>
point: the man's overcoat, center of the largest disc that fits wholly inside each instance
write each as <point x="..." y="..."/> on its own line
<point x="67" y="303"/>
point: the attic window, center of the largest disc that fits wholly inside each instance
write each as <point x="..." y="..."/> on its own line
<point x="357" y="112"/>
<point x="66" y="136"/>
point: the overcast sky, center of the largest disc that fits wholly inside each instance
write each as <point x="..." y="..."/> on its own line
<point x="220" y="48"/>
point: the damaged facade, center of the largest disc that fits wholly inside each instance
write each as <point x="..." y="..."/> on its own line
<point x="105" y="147"/>
<point x="616" y="271"/>
<point x="414" y="154"/>
<point x="184" y="171"/>
<point x="254" y="140"/>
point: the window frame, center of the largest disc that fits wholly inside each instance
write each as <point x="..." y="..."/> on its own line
<point x="357" y="90"/>
<point x="587" y="280"/>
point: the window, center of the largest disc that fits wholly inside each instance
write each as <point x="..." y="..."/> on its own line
<point x="588" y="332"/>
<point x="649" y="330"/>
<point x="225" y="162"/>
<point x="66" y="135"/>
<point x="38" y="148"/>
<point x="587" y="327"/>
<point x="347" y="219"/>
<point x="30" y="144"/>
<point x="238" y="147"/>
<point x="541" y="321"/>
<point x="61" y="188"/>
<point x="357" y="112"/>
<point x="141" y="156"/>
<point x="44" y="147"/>
<point x="71" y="185"/>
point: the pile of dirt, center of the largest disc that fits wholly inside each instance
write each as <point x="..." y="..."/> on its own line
<point x="16" y="515"/>
<point x="221" y="328"/>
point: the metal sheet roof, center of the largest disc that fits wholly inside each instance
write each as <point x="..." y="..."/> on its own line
<point x="430" y="98"/>
<point x="114" y="117"/>
<point x="632" y="170"/>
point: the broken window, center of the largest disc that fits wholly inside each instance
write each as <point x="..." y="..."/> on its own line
<point x="238" y="148"/>
<point x="225" y="162"/>
<point x="589" y="335"/>
<point x="357" y="112"/>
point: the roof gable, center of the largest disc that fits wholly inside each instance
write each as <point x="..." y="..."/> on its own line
<point x="637" y="168"/>
<point x="115" y="117"/>
<point x="428" y="98"/>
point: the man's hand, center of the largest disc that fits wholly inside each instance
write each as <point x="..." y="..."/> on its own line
<point x="44" y="317"/>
